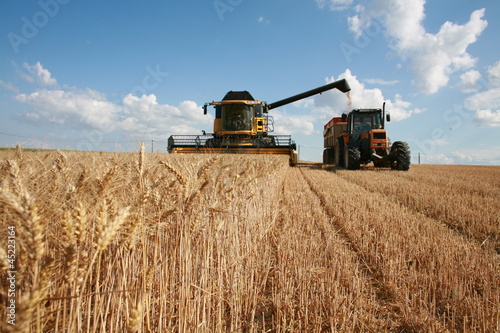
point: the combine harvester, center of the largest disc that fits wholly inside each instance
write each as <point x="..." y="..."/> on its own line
<point x="241" y="126"/>
<point x="359" y="138"/>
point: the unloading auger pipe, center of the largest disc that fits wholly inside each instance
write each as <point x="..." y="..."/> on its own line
<point x="341" y="85"/>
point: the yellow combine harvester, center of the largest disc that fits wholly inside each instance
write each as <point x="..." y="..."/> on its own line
<point x="241" y="126"/>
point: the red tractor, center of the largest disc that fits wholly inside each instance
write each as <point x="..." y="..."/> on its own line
<point x="359" y="138"/>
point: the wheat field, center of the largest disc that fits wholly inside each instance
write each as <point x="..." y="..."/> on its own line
<point x="143" y="242"/>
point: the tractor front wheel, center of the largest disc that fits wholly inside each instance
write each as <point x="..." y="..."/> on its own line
<point x="352" y="157"/>
<point x="400" y="156"/>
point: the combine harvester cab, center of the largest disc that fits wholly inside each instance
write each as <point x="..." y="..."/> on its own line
<point x="359" y="138"/>
<point x="242" y="124"/>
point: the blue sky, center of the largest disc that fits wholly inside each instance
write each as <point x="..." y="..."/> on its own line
<point x="106" y="75"/>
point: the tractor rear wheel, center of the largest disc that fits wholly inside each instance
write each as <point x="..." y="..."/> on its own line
<point x="400" y="156"/>
<point x="352" y="157"/>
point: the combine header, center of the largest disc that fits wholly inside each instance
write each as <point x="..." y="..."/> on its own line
<point x="241" y="126"/>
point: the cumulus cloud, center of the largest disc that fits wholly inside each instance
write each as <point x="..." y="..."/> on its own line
<point x="468" y="81"/>
<point x="486" y="104"/>
<point x="309" y="115"/>
<point x="36" y="73"/>
<point x="145" y="114"/>
<point x="487" y="118"/>
<point x="9" y="86"/>
<point x="431" y="57"/>
<point x="489" y="156"/>
<point x="285" y="123"/>
<point x="90" y="109"/>
<point x="333" y="103"/>
<point x="74" y="108"/>
<point x="494" y="74"/>
<point x="135" y="115"/>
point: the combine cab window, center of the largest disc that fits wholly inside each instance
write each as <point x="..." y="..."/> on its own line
<point x="237" y="117"/>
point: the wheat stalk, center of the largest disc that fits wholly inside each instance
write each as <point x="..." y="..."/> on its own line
<point x="180" y="178"/>
<point x="202" y="172"/>
<point x="293" y="249"/>
<point x="19" y="152"/>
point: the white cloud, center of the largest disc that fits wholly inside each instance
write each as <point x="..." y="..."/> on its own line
<point x="290" y="124"/>
<point x="304" y="103"/>
<point x="39" y="74"/>
<point x="74" y="108"/>
<point x="494" y="74"/>
<point x="400" y="109"/>
<point x="432" y="57"/>
<point x="83" y="109"/>
<point x="9" y="86"/>
<point x="484" y="100"/>
<point x="145" y="114"/>
<point x="489" y="156"/>
<point x="135" y="115"/>
<point x="262" y="19"/>
<point x="437" y="159"/>
<point x="487" y="118"/>
<point x="333" y="103"/>
<point x="486" y="106"/>
<point x="468" y="81"/>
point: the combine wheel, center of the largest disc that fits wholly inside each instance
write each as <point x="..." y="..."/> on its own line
<point x="400" y="156"/>
<point x="352" y="157"/>
<point x="294" y="158"/>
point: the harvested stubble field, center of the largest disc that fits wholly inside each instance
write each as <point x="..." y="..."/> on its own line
<point x="170" y="243"/>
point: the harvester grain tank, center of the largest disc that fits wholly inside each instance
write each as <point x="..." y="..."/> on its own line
<point x="242" y="124"/>
<point x="359" y="138"/>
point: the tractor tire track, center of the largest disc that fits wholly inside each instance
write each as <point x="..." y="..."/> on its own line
<point x="339" y="291"/>
<point x="418" y="264"/>
<point x="384" y="294"/>
<point x="447" y="208"/>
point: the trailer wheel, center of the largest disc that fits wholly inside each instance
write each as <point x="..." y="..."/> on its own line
<point x="352" y="157"/>
<point x="400" y="156"/>
<point x="328" y="155"/>
<point x="339" y="153"/>
<point x="337" y="157"/>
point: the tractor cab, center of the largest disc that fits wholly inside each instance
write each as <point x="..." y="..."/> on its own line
<point x="362" y="121"/>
